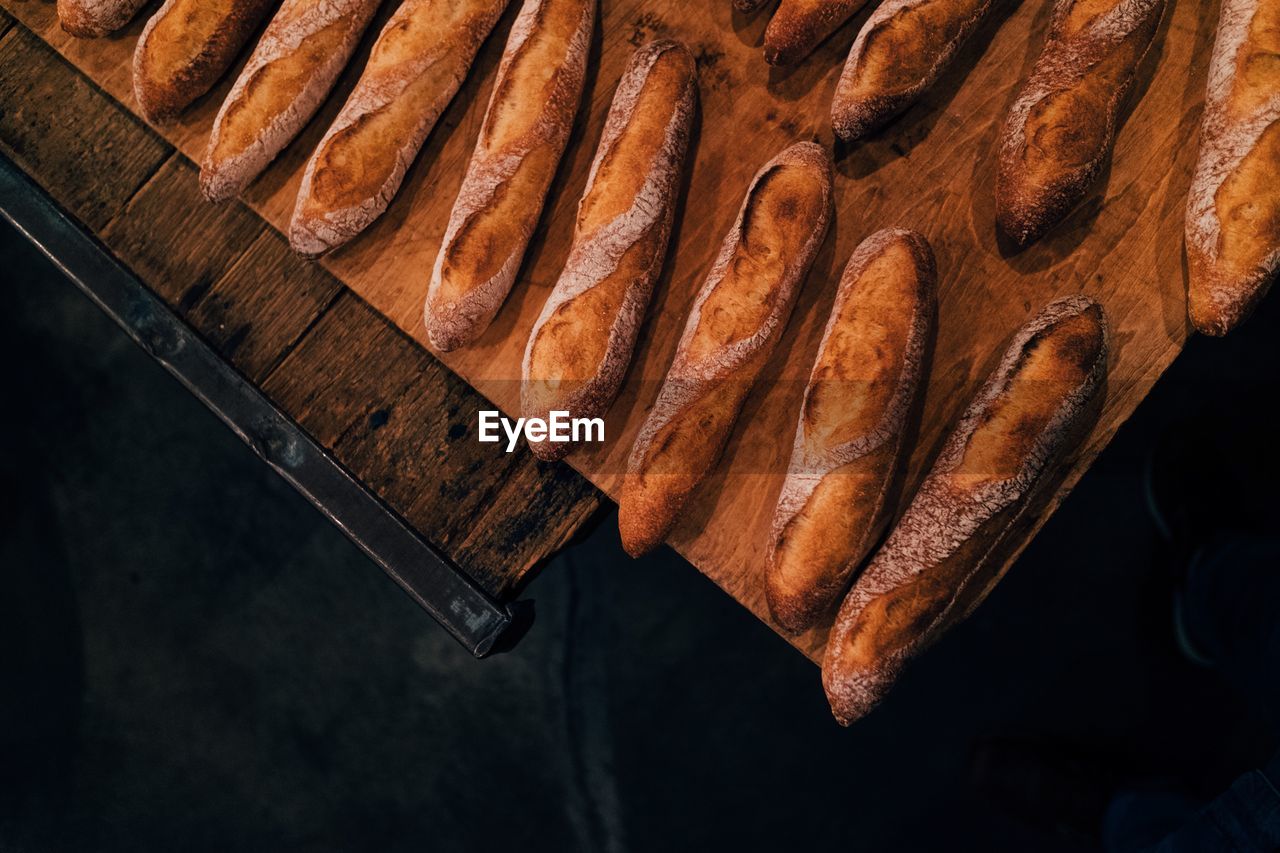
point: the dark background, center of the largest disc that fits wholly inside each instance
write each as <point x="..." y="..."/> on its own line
<point x="192" y="658"/>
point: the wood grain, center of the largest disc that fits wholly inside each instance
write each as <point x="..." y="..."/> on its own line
<point x="288" y="325"/>
<point x="389" y="410"/>
<point x="122" y="155"/>
<point x="266" y="301"/>
<point x="932" y="170"/>
<point x="163" y="235"/>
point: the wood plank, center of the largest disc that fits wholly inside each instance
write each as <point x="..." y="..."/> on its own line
<point x="262" y="306"/>
<point x="326" y="384"/>
<point x="91" y="154"/>
<point x="347" y="377"/>
<point x="163" y="235"/>
<point x="245" y="291"/>
<point x="255" y="301"/>
<point x="932" y="170"/>
<point x="390" y="410"/>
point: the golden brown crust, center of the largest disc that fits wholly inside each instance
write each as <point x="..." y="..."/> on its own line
<point x="524" y="133"/>
<point x="286" y="78"/>
<point x="415" y="67"/>
<point x="95" y="18"/>
<point x="1060" y="131"/>
<point x="902" y="50"/>
<point x="735" y="322"/>
<point x="581" y="344"/>
<point x="1233" y="210"/>
<point x="946" y="552"/>
<point x="799" y="26"/>
<point x="186" y="47"/>
<point x="861" y="403"/>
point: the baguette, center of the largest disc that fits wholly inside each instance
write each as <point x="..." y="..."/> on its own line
<point x="89" y="19"/>
<point x="582" y="341"/>
<point x="186" y="47"/>
<point x="524" y="133"/>
<point x="1059" y="133"/>
<point x="736" y="320"/>
<point x="416" y="66"/>
<point x="902" y="50"/>
<point x="287" y="77"/>
<point x="862" y="401"/>
<point x="799" y="26"/>
<point x="1233" y="213"/>
<point x="948" y="550"/>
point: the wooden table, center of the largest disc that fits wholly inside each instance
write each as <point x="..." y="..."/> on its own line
<point x="385" y="410"/>
<point x="339" y="346"/>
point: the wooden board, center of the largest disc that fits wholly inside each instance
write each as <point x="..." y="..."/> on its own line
<point x="394" y="416"/>
<point x="932" y="170"/>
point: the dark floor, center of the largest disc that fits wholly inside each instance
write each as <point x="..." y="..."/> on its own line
<point x="192" y="658"/>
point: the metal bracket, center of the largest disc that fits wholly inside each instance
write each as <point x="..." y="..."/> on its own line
<point x="474" y="618"/>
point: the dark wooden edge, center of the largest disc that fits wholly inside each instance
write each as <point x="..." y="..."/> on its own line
<point x="393" y="417"/>
<point x="481" y="624"/>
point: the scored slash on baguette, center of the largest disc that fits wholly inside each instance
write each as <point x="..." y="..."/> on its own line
<point x="88" y="19"/>
<point x="582" y="341"/>
<point x="186" y="47"/>
<point x="286" y="79"/>
<point x="1233" y="211"/>
<point x="861" y="403"/>
<point x="1061" y="128"/>
<point x="415" y="68"/>
<point x="948" y="549"/>
<point x="799" y="26"/>
<point x="524" y="133"/>
<point x="736" y="321"/>
<point x="901" y="51"/>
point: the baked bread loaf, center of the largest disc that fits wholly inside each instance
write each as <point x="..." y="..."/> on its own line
<point x="747" y="6"/>
<point x="860" y="406"/>
<point x="799" y="26"/>
<point x="902" y="50"/>
<point x="949" y="548"/>
<point x="1059" y="133"/>
<point x="1233" y="212"/>
<point x="89" y="19"/>
<point x="736" y="320"/>
<point x="417" y="64"/>
<point x="287" y="77"/>
<point x="186" y="47"/>
<point x="582" y="341"/>
<point x="531" y="110"/>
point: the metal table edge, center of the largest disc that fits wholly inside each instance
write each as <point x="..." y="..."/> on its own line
<point x="474" y="618"/>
